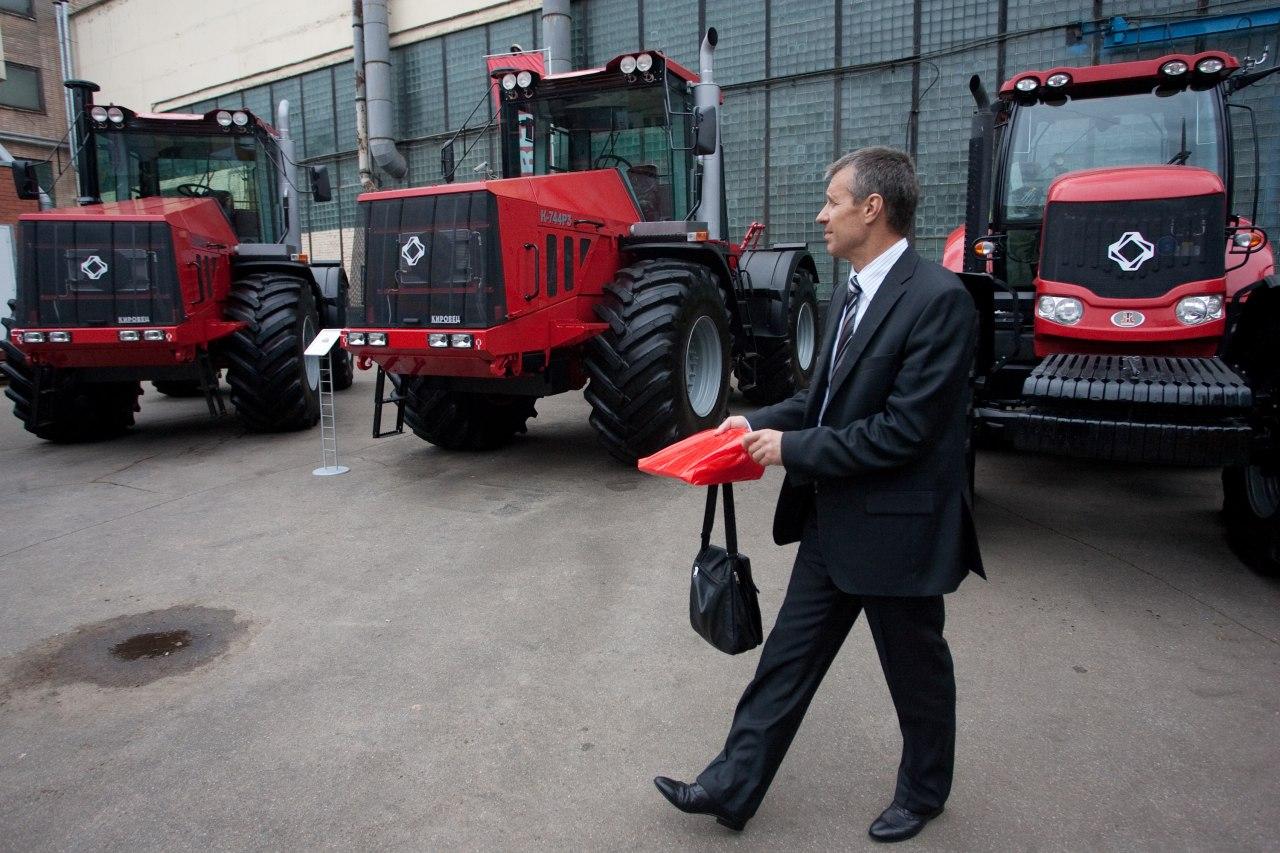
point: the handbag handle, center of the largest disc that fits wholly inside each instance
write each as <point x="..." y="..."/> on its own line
<point x="730" y="519"/>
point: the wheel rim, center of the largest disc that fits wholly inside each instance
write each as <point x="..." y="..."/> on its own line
<point x="310" y="362"/>
<point x="703" y="366"/>
<point x="805" y="336"/>
<point x="1263" y="490"/>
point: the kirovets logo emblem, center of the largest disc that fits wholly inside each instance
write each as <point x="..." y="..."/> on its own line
<point x="1131" y="251"/>
<point x="412" y="251"/>
<point x="94" y="267"/>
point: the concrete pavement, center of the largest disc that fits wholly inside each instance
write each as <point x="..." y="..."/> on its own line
<point x="461" y="651"/>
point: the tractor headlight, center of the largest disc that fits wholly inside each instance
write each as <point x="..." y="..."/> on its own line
<point x="130" y="335"/>
<point x="355" y="339"/>
<point x="377" y="339"/>
<point x="98" y="114"/>
<point x="33" y="337"/>
<point x="1057" y="81"/>
<point x="1027" y="85"/>
<point x="627" y="65"/>
<point x="1174" y="68"/>
<point x="59" y="337"/>
<point x="115" y="115"/>
<point x="463" y="341"/>
<point x="153" y="335"/>
<point x="1194" y="310"/>
<point x="644" y="62"/>
<point x="223" y="118"/>
<point x="1064" y="310"/>
<point x="1212" y="65"/>
<point x="508" y="82"/>
<point x="240" y="119"/>
<point x="437" y="340"/>
<point x="524" y="79"/>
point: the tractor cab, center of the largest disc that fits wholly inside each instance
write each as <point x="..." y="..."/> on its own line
<point x="230" y="157"/>
<point x="635" y="114"/>
<point x="1065" y="121"/>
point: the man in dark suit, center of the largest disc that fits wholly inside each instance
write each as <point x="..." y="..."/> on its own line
<point x="876" y="495"/>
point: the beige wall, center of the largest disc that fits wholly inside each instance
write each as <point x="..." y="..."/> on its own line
<point x="165" y="53"/>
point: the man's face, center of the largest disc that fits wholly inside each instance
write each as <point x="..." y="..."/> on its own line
<point x="844" y="220"/>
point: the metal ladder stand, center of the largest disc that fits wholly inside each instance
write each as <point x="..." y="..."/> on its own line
<point x="328" y="421"/>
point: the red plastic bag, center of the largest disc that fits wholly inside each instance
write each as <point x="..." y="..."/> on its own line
<point x="705" y="459"/>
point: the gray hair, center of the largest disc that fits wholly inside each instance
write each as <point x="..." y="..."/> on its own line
<point x="888" y="173"/>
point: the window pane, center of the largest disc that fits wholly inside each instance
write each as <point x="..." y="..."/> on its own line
<point x="18" y="7"/>
<point x="21" y="89"/>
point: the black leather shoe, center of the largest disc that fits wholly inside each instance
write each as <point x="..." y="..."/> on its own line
<point x="694" y="799"/>
<point x="898" y="824"/>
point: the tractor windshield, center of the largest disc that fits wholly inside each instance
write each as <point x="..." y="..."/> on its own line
<point x="624" y="128"/>
<point x="235" y="170"/>
<point x="1047" y="140"/>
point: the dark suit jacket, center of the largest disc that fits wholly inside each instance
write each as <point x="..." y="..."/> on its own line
<point x="885" y="471"/>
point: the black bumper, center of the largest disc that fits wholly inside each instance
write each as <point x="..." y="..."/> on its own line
<point x="1180" y="411"/>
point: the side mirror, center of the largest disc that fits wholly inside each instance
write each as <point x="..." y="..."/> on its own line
<point x="705" y="123"/>
<point x="25" y="180"/>
<point x="320" y="188"/>
<point x="446" y="163"/>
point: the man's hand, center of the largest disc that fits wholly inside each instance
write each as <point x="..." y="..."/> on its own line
<point x="733" y="422"/>
<point x="764" y="446"/>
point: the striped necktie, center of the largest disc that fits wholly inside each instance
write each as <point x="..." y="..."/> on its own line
<point x="847" y="324"/>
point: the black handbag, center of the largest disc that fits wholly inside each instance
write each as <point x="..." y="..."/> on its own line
<point x="723" y="606"/>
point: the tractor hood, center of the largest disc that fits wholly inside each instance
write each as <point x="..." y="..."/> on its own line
<point x="1136" y="232"/>
<point x="1134" y="183"/>
<point x="114" y="264"/>
<point x="473" y="255"/>
<point x="202" y="216"/>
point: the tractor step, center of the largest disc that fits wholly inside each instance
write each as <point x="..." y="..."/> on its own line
<point x="1137" y="380"/>
<point x="380" y="399"/>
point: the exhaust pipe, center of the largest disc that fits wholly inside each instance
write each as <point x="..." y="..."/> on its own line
<point x="82" y="149"/>
<point x="289" y="202"/>
<point x="706" y="97"/>
<point x="557" y="21"/>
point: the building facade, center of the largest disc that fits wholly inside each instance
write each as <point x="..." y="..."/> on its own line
<point x="803" y="81"/>
<point x="33" y="120"/>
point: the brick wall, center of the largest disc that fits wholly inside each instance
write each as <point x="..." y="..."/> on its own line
<point x="33" y="134"/>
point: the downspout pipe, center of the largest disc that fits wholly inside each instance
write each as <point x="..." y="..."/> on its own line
<point x="377" y="67"/>
<point x="290" y="204"/>
<point x="368" y="180"/>
<point x="706" y="97"/>
<point x="65" y="65"/>
<point x="557" y="22"/>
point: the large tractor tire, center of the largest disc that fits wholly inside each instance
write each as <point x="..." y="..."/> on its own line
<point x="661" y="371"/>
<point x="70" y="410"/>
<point x="459" y="420"/>
<point x="1251" y="507"/>
<point x="179" y="387"/>
<point x="1251" y="493"/>
<point x="344" y="371"/>
<point x="783" y="367"/>
<point x="273" y="386"/>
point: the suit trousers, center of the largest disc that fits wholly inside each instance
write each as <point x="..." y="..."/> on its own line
<point x="813" y="622"/>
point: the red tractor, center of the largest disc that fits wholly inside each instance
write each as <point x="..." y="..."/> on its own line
<point x="600" y="259"/>
<point x="182" y="261"/>
<point x="1131" y="310"/>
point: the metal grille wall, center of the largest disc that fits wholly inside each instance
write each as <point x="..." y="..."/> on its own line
<point x="804" y="81"/>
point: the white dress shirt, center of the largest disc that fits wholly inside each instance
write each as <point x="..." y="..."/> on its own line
<point x="870" y="278"/>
